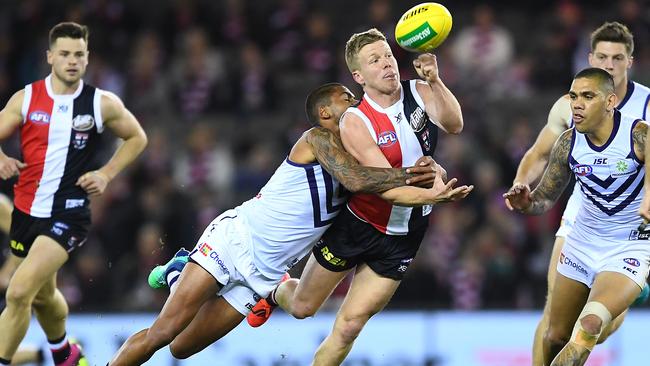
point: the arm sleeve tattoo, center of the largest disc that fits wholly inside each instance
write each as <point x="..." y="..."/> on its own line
<point x="329" y="151"/>
<point x="639" y="135"/>
<point x="555" y="178"/>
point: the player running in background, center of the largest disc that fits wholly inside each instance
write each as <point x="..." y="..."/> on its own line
<point x="605" y="260"/>
<point x="612" y="46"/>
<point x="244" y="253"/>
<point x="59" y="119"/>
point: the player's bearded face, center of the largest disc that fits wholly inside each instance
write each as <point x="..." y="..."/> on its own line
<point x="611" y="57"/>
<point x="69" y="58"/>
<point x="378" y="67"/>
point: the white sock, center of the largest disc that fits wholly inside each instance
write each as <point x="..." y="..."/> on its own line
<point x="172" y="280"/>
<point x="59" y="345"/>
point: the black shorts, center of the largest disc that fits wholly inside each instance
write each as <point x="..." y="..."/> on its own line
<point x="69" y="230"/>
<point x="351" y="241"/>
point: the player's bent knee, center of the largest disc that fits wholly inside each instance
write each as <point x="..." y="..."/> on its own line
<point x="594" y="318"/>
<point x="180" y="351"/>
<point x="350" y="328"/>
<point x="303" y="310"/>
<point x="556" y="338"/>
<point x="19" y="297"/>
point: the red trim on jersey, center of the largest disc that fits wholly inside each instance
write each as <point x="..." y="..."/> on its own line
<point x="33" y="142"/>
<point x="371" y="207"/>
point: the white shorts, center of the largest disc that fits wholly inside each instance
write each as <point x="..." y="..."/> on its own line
<point x="570" y="213"/>
<point x="224" y="251"/>
<point x="633" y="260"/>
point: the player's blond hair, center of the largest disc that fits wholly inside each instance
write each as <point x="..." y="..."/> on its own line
<point x="613" y="32"/>
<point x="357" y="42"/>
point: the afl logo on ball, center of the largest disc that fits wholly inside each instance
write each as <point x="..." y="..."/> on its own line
<point x="83" y="122"/>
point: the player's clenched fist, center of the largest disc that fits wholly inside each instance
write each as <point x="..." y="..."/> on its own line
<point x="426" y="65"/>
<point x="93" y="182"/>
<point x="10" y="167"/>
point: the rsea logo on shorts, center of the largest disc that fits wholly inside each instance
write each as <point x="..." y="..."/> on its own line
<point x="566" y="260"/>
<point x="17" y="246"/>
<point x="329" y="256"/>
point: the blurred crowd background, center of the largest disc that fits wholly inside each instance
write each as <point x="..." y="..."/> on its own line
<point x="219" y="87"/>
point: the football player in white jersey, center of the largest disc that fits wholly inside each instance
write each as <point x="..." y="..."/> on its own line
<point x="612" y="45"/>
<point x="226" y="260"/>
<point x="605" y="259"/>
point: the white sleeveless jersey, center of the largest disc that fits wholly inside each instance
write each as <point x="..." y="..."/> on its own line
<point x="633" y="104"/>
<point x="610" y="178"/>
<point x="290" y="214"/>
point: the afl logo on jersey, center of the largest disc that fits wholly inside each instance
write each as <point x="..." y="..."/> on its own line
<point x="39" y="117"/>
<point x="386" y="139"/>
<point x="582" y="170"/>
<point x="83" y="122"/>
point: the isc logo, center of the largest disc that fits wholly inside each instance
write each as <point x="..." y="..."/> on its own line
<point x="386" y="139"/>
<point x="582" y="170"/>
<point x="39" y="117"/>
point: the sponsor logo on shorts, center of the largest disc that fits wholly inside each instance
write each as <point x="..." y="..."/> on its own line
<point x="74" y="203"/>
<point x="205" y="249"/>
<point x="632" y="262"/>
<point x="58" y="228"/>
<point x="566" y="260"/>
<point x="17" y="246"/>
<point x="329" y="257"/>
<point x="215" y="257"/>
<point x="404" y="265"/>
<point x="386" y="139"/>
<point x="632" y="271"/>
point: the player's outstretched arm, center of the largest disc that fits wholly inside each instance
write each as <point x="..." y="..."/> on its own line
<point x="535" y="159"/>
<point x="440" y="103"/>
<point x="554" y="181"/>
<point x="441" y="192"/>
<point x="328" y="150"/>
<point x="123" y="124"/>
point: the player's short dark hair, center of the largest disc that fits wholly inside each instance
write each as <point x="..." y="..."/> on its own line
<point x="68" y="30"/>
<point x="321" y="96"/>
<point x="604" y="79"/>
<point x="613" y="32"/>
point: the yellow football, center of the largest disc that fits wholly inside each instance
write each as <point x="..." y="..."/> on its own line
<point x="423" y="27"/>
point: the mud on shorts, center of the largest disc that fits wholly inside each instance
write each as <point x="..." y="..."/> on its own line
<point x="351" y="241"/>
<point x="69" y="230"/>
